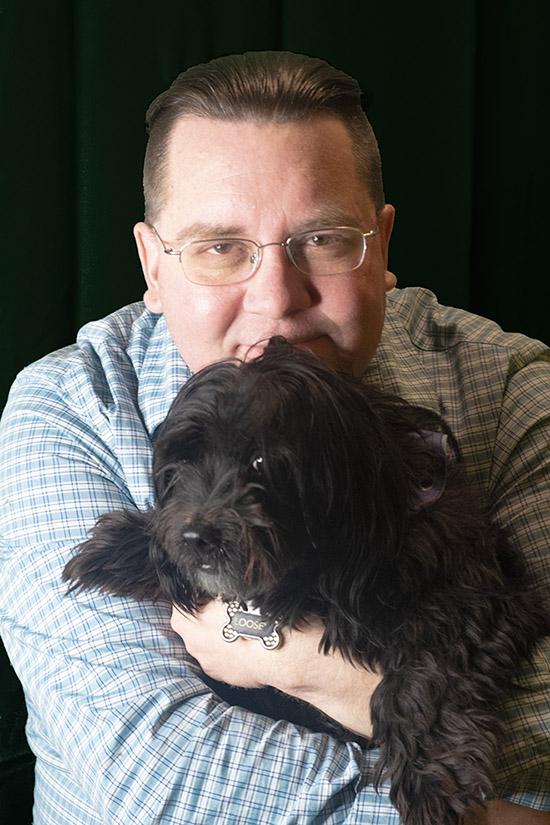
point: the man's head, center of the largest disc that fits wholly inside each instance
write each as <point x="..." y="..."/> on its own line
<point x="265" y="87"/>
<point x="236" y="154"/>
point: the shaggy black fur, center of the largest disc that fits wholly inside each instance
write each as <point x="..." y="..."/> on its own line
<point x="285" y="483"/>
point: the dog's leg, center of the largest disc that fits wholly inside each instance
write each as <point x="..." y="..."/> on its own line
<point x="436" y="748"/>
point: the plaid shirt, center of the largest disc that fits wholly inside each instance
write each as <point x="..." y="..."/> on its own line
<point x="124" y="729"/>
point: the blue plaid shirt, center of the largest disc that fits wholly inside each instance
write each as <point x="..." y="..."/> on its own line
<point x="124" y="729"/>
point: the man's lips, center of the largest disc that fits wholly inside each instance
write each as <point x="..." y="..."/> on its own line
<point x="304" y="344"/>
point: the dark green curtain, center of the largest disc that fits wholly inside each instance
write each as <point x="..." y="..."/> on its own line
<point x="458" y="98"/>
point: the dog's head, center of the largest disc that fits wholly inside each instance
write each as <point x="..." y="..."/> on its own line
<point x="279" y="479"/>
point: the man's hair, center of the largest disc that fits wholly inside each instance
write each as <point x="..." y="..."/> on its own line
<point x="264" y="87"/>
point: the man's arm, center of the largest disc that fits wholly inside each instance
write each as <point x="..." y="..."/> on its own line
<point x="331" y="683"/>
<point x="124" y="729"/>
<point x="520" y="495"/>
<point x="339" y="688"/>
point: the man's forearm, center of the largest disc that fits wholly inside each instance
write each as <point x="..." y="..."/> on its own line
<point x="338" y="687"/>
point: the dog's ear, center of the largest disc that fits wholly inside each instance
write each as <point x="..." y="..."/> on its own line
<point x="115" y="559"/>
<point x="432" y="478"/>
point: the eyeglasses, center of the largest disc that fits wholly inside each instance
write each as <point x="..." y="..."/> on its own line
<point x="220" y="261"/>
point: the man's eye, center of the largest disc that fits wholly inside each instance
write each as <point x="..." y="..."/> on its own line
<point x="216" y="249"/>
<point x="222" y="248"/>
<point x="319" y="240"/>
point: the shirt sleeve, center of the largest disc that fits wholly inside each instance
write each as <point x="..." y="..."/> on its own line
<point x="520" y="492"/>
<point x="123" y="727"/>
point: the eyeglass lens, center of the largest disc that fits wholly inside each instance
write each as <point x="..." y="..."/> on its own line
<point x="230" y="260"/>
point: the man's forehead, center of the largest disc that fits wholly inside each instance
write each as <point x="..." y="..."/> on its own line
<point x="222" y="173"/>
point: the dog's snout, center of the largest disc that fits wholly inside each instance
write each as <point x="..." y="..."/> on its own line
<point x="205" y="545"/>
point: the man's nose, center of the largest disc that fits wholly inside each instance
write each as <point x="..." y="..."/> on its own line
<point x="277" y="288"/>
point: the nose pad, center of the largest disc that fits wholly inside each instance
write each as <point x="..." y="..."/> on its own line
<point x="277" y="288"/>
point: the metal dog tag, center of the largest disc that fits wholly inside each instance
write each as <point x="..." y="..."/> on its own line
<point x="247" y="622"/>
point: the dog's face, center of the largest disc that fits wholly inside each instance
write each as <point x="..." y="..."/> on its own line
<point x="228" y="514"/>
<point x="280" y="480"/>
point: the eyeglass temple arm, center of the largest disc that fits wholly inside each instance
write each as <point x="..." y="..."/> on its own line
<point x="168" y="250"/>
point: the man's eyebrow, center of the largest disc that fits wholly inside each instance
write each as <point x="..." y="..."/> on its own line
<point x="201" y="230"/>
<point x="321" y="217"/>
<point x="327" y="216"/>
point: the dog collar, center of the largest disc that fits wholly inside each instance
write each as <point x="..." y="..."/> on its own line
<point x="247" y="622"/>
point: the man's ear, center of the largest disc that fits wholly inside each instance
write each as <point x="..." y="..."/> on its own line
<point x="385" y="224"/>
<point x="149" y="255"/>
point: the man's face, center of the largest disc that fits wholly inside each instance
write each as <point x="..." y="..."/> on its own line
<point x="266" y="182"/>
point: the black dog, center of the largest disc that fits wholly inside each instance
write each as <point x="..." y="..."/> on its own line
<point x="283" y="485"/>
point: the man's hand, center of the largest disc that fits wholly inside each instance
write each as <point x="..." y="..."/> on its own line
<point x="243" y="663"/>
<point x="337" y="687"/>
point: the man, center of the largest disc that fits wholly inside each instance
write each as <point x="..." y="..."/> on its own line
<point x="271" y="148"/>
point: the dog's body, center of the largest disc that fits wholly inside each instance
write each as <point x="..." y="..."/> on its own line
<point x="283" y="484"/>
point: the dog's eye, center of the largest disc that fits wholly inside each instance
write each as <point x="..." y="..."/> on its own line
<point x="257" y="463"/>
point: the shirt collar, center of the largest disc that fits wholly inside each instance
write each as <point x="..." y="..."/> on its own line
<point x="396" y="368"/>
<point x="160" y="369"/>
<point x="399" y="367"/>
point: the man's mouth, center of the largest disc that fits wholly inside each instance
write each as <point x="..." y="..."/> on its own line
<point x="308" y="344"/>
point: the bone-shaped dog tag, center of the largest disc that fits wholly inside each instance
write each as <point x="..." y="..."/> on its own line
<point x="247" y="622"/>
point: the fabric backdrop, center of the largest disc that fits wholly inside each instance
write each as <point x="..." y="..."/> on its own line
<point x="458" y="96"/>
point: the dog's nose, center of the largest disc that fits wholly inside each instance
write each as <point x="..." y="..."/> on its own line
<point x="203" y="546"/>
